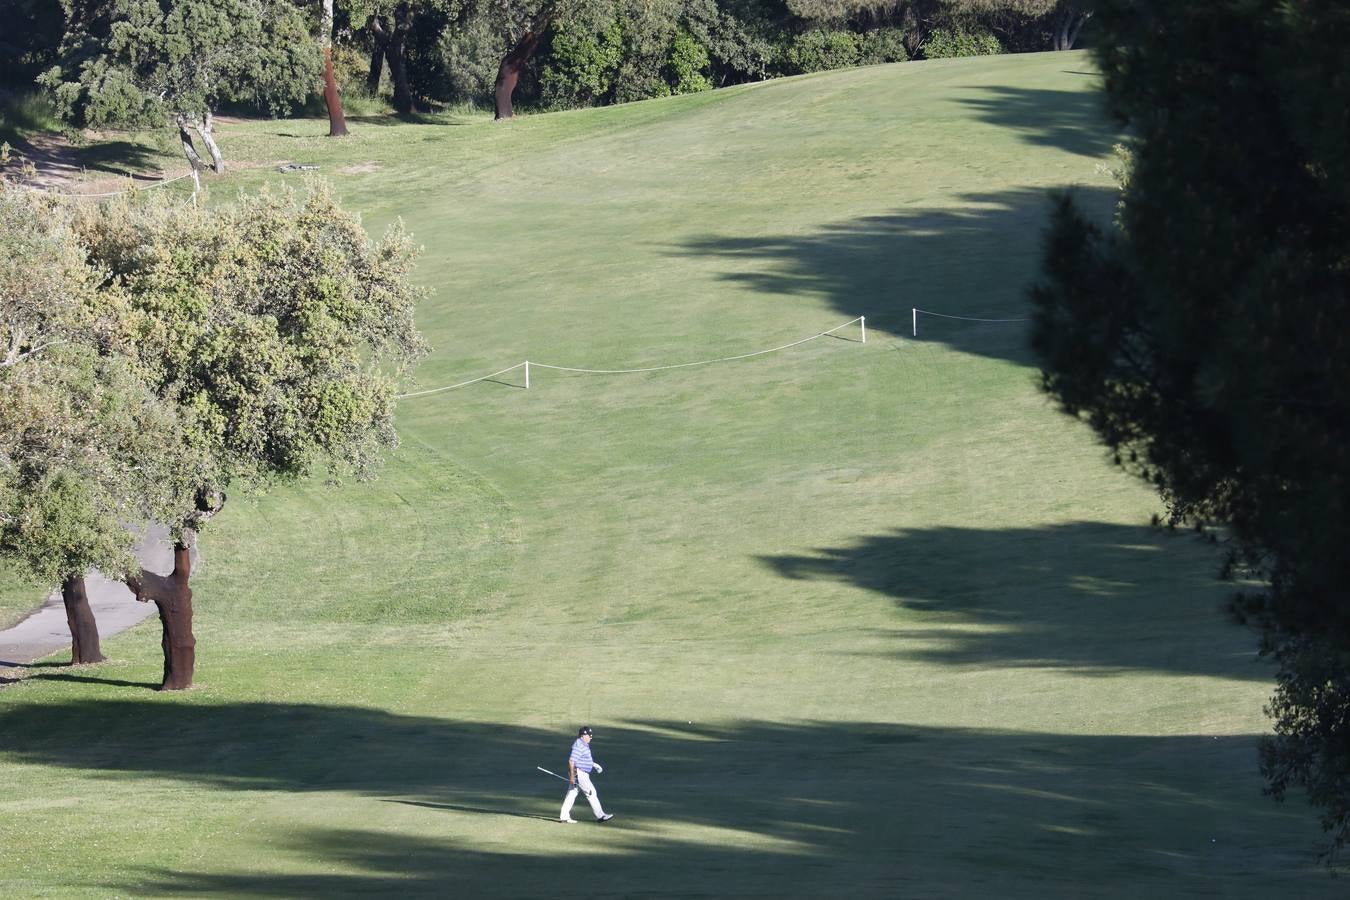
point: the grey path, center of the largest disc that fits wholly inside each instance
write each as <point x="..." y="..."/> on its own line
<point x="115" y="608"/>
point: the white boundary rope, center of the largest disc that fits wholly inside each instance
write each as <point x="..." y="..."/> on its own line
<point x="527" y="364"/>
<point x="451" y="387"/>
<point x="926" y="312"/>
<point x="134" y="187"/>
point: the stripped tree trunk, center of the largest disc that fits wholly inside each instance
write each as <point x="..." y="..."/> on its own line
<point x="84" y="645"/>
<point x="1070" y="22"/>
<point x="189" y="150"/>
<point x="508" y="73"/>
<point x="172" y="594"/>
<point x="337" y="123"/>
<point x="203" y="126"/>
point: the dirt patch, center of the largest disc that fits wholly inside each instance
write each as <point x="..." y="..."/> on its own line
<point x="359" y="169"/>
<point x="56" y="161"/>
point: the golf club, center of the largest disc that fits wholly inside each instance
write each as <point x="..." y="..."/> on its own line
<point x="561" y="778"/>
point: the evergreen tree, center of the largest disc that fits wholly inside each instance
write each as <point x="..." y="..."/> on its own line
<point x="1207" y="338"/>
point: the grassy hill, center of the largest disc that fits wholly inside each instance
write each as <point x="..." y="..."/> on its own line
<point x="848" y="619"/>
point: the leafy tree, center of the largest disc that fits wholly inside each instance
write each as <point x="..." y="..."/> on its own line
<point x="1207" y="339"/>
<point x="743" y="37"/>
<point x="84" y="460"/>
<point x="276" y="331"/>
<point x="407" y="35"/>
<point x="74" y="467"/>
<point x="143" y="63"/>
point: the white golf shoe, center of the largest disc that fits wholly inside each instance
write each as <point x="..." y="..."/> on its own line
<point x="567" y="821"/>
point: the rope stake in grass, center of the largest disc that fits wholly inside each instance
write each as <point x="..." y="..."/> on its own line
<point x="926" y="312"/>
<point x="860" y="320"/>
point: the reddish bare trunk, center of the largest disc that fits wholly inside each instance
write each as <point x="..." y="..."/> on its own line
<point x="84" y="645"/>
<point x="173" y="596"/>
<point x="337" y="122"/>
<point x="508" y="73"/>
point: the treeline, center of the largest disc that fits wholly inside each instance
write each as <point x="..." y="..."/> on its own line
<point x="542" y="54"/>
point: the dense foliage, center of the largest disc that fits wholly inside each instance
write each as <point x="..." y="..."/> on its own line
<point x="141" y="62"/>
<point x="85" y="446"/>
<point x="1206" y="338"/>
<point x="147" y="62"/>
<point x="272" y="323"/>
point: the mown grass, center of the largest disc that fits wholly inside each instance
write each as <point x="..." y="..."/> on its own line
<point x="849" y="619"/>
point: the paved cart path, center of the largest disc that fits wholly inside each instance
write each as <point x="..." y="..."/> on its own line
<point x="115" y="607"/>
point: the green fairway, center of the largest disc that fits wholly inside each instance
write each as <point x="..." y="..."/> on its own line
<point x="849" y="619"/>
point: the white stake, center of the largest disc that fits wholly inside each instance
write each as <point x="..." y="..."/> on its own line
<point x="916" y="322"/>
<point x="527" y="374"/>
<point x="862" y="320"/>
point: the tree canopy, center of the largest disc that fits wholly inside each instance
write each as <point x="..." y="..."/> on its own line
<point x="1207" y="338"/>
<point x="161" y="353"/>
<point x="142" y="63"/>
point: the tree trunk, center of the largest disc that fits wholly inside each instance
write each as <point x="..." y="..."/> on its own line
<point x="381" y="38"/>
<point x="1070" y="22"/>
<point x="396" y="51"/>
<point x="203" y="126"/>
<point x="189" y="149"/>
<point x="84" y="646"/>
<point x="337" y="122"/>
<point x="173" y="595"/>
<point x="508" y="73"/>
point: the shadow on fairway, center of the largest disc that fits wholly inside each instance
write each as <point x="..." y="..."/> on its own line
<point x="770" y="808"/>
<point x="1097" y="598"/>
<point x="1075" y="121"/>
<point x="111" y="157"/>
<point x="975" y="258"/>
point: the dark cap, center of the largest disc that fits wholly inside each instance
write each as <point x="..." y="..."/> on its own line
<point x="584" y="729"/>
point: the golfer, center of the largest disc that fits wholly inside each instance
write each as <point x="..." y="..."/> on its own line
<point x="580" y="765"/>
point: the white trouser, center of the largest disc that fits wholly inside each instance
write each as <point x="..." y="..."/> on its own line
<point x="584" y="780"/>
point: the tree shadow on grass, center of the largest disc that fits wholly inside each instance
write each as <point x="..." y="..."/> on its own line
<point x="975" y="258"/>
<point x="1093" y="597"/>
<point x="771" y="808"/>
<point x="121" y="158"/>
<point x="1074" y="121"/>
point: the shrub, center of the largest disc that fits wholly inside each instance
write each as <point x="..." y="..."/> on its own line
<point x="472" y="52"/>
<point x="818" y="50"/>
<point x="581" y="65"/>
<point x="955" y="40"/>
<point x="885" y="45"/>
<point x="687" y="69"/>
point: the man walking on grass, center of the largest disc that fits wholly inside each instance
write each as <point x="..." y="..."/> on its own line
<point x="580" y="765"/>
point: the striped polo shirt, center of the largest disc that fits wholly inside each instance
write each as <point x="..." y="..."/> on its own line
<point x="581" y="756"/>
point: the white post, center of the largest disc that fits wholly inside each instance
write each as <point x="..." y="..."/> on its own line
<point x="916" y="322"/>
<point x="527" y="374"/>
<point x="196" y="185"/>
<point x="862" y="320"/>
